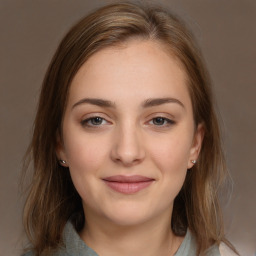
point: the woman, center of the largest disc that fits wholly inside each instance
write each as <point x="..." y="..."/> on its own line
<point x="126" y="145"/>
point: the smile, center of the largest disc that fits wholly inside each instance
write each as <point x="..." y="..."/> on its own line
<point x="128" y="184"/>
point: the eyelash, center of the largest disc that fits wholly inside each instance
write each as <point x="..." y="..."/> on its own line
<point x="167" y="122"/>
<point x="86" y="121"/>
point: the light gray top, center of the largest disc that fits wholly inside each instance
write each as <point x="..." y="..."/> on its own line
<point x="75" y="246"/>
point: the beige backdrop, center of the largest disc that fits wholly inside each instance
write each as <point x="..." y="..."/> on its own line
<point x="30" y="31"/>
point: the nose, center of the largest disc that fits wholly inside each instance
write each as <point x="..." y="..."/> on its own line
<point x="128" y="147"/>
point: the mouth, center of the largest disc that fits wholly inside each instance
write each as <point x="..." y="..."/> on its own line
<point x="128" y="184"/>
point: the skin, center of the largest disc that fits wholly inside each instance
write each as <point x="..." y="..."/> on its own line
<point x="128" y="139"/>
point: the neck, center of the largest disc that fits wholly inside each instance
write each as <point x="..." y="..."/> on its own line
<point x="151" y="238"/>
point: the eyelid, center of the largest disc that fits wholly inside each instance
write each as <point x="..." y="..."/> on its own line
<point x="166" y="116"/>
<point x="169" y="121"/>
<point x="91" y="116"/>
<point x="162" y="115"/>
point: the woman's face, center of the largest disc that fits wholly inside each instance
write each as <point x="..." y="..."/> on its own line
<point x="128" y="133"/>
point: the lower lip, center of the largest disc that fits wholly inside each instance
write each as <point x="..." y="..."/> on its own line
<point x="128" y="188"/>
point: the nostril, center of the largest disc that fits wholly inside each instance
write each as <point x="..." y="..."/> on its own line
<point x="127" y="147"/>
<point x="126" y="157"/>
<point x="127" y="161"/>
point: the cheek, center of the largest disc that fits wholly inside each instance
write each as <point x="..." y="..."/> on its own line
<point x="171" y="157"/>
<point x="172" y="152"/>
<point x="86" y="156"/>
<point x="85" y="152"/>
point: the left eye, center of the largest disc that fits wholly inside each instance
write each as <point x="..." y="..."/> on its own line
<point x="161" y="121"/>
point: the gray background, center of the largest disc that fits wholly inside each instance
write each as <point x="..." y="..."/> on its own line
<point x="30" y="31"/>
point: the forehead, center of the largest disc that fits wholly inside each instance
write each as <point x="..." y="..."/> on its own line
<point x="136" y="68"/>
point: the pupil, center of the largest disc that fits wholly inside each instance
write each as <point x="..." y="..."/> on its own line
<point x="97" y="120"/>
<point x="158" y="121"/>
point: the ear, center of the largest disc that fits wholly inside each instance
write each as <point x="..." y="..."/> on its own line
<point x="60" y="152"/>
<point x="196" y="145"/>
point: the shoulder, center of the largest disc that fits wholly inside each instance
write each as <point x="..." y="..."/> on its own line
<point x="57" y="253"/>
<point x="72" y="244"/>
<point x="189" y="245"/>
<point x="226" y="251"/>
<point x="221" y="250"/>
<point x="30" y="253"/>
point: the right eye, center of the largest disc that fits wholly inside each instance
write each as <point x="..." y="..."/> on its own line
<point x="93" y="121"/>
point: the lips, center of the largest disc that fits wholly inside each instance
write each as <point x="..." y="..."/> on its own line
<point x="128" y="184"/>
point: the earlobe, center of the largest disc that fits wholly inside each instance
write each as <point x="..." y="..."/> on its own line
<point x="60" y="152"/>
<point x="196" y="145"/>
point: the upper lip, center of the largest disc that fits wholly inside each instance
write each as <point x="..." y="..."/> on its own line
<point x="128" y="179"/>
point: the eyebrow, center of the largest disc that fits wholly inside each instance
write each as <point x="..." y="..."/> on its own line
<point x="109" y="104"/>
<point x="160" y="101"/>
<point x="96" y="102"/>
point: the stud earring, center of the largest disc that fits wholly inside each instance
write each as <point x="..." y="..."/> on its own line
<point x="193" y="161"/>
<point x="62" y="161"/>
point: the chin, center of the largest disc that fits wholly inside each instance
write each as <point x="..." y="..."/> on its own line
<point x="128" y="220"/>
<point x="129" y="215"/>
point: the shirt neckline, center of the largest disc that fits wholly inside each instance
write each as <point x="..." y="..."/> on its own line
<point x="76" y="246"/>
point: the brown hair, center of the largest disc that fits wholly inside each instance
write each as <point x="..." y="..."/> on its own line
<point x="52" y="198"/>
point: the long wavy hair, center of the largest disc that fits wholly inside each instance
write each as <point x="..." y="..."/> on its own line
<point x="52" y="198"/>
